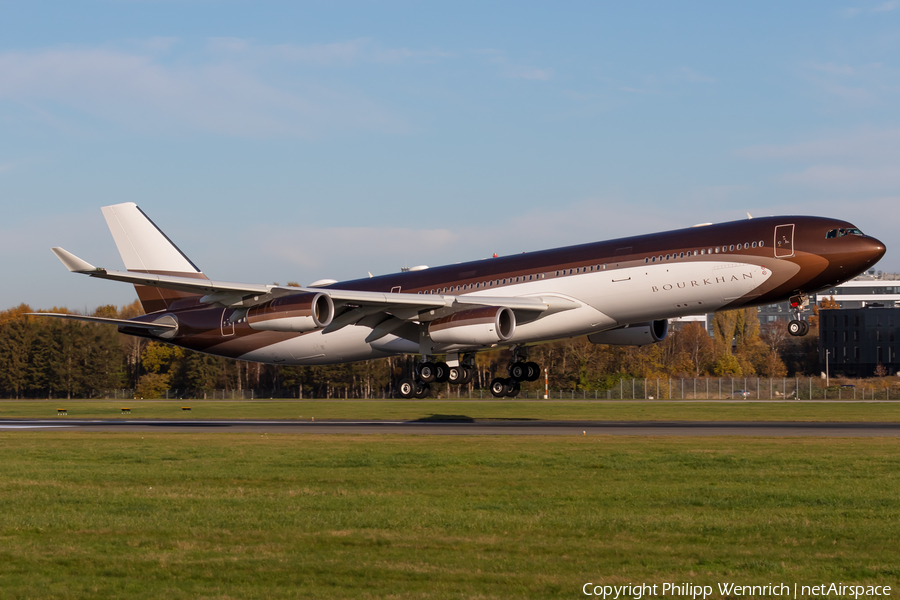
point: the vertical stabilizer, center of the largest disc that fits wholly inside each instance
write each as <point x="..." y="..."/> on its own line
<point x="146" y="249"/>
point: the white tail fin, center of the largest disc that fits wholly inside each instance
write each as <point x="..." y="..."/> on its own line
<point x="146" y="249"/>
<point x="143" y="246"/>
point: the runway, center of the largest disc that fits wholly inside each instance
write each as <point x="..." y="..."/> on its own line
<point x="511" y="427"/>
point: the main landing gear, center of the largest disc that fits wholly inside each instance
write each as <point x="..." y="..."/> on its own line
<point x="428" y="372"/>
<point x="519" y="369"/>
<point x="798" y="327"/>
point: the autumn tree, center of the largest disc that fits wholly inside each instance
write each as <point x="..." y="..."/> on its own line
<point x="694" y="340"/>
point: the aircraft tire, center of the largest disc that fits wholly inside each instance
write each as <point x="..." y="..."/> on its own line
<point x="455" y="374"/>
<point x="805" y="327"/>
<point x="518" y="371"/>
<point x="468" y="372"/>
<point x="534" y="371"/>
<point x="406" y="388"/>
<point x="441" y="372"/>
<point x="512" y="390"/>
<point x="500" y="387"/>
<point x="426" y="372"/>
<point x="795" y="328"/>
<point x="422" y="390"/>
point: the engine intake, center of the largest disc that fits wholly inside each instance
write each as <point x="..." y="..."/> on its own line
<point x="636" y="334"/>
<point x="477" y="326"/>
<point x="293" y="314"/>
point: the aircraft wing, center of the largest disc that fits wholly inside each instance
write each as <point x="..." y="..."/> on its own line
<point x="106" y="320"/>
<point x="246" y="295"/>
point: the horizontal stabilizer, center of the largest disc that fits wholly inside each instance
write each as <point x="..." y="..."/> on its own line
<point x="72" y="262"/>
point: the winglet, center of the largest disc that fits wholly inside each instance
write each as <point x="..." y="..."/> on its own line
<point x="73" y="263"/>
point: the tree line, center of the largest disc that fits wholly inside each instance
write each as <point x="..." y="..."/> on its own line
<point x="55" y="358"/>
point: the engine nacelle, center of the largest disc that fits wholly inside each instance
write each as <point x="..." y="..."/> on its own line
<point x="477" y="326"/>
<point x="637" y="334"/>
<point x="292" y="314"/>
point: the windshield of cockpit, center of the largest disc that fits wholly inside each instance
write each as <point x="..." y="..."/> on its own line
<point x="836" y="233"/>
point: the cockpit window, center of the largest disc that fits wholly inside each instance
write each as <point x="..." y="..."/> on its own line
<point x="836" y="233"/>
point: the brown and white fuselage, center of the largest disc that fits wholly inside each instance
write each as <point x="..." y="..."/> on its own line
<point x="618" y="291"/>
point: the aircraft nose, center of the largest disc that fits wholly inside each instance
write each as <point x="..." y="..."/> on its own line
<point x="856" y="255"/>
<point x="876" y="249"/>
<point x="869" y="251"/>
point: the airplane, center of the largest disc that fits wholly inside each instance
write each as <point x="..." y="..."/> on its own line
<point x="621" y="291"/>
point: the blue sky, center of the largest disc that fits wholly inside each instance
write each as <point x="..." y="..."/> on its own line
<point x="278" y="141"/>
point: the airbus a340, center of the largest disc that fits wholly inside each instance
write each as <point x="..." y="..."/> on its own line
<point x="617" y="292"/>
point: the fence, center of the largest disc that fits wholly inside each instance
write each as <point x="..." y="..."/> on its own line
<point x="697" y="389"/>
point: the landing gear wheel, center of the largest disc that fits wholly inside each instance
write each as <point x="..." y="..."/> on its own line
<point x="534" y="371"/>
<point x="805" y="327"/>
<point x="422" y="389"/>
<point x="467" y="372"/>
<point x="518" y="371"/>
<point x="798" y="328"/>
<point x="455" y="374"/>
<point x="512" y="390"/>
<point x="441" y="372"/>
<point x="426" y="372"/>
<point x="406" y="388"/>
<point x="500" y="387"/>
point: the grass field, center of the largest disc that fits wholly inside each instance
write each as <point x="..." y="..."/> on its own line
<point x="483" y="410"/>
<point x="86" y="515"/>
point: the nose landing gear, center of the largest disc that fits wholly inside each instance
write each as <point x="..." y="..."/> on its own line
<point x="798" y="327"/>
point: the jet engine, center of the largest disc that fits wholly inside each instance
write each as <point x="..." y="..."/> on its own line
<point x="293" y="314"/>
<point x="477" y="326"/>
<point x="636" y="334"/>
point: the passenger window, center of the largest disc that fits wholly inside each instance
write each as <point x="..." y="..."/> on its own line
<point x="754" y="244"/>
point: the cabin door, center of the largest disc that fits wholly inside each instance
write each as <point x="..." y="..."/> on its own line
<point x="784" y="241"/>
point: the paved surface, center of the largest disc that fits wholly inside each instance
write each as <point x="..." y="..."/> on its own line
<point x="517" y="427"/>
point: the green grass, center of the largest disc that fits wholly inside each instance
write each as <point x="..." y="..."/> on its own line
<point x="85" y="515"/>
<point x="484" y="410"/>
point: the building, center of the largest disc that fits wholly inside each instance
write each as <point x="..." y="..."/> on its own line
<point x="857" y="341"/>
